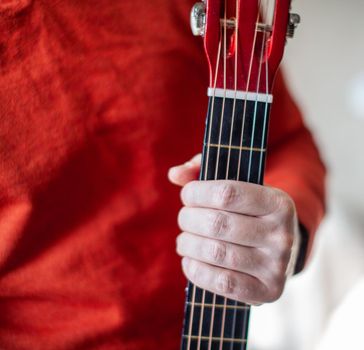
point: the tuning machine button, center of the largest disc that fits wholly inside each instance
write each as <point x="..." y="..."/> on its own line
<point x="293" y="22"/>
<point x="198" y="19"/>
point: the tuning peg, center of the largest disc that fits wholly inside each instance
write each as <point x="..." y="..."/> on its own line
<point x="198" y="19"/>
<point x="294" y="21"/>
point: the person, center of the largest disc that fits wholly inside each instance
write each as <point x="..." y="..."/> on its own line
<point x="98" y="100"/>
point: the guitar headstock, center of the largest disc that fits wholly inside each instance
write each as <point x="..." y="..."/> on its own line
<point x="244" y="41"/>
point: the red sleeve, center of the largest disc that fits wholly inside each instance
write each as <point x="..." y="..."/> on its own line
<point x="294" y="163"/>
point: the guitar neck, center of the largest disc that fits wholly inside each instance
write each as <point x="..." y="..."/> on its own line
<point x="236" y="139"/>
<point x="235" y="149"/>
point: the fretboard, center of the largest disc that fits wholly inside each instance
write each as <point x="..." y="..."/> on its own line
<point x="234" y="148"/>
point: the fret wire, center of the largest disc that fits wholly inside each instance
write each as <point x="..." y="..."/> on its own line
<point x="239" y="148"/>
<point x="230" y="340"/>
<point x="245" y="325"/>
<point x="223" y="324"/>
<point x="220" y="306"/>
<point x="245" y="309"/>
<point x="235" y="88"/>
<point x="264" y="124"/>
<point x="233" y="328"/>
<point x="191" y="316"/>
<point x="201" y="318"/>
<point x="208" y="148"/>
<point x="211" y="320"/>
<point x="218" y="150"/>
<point x="256" y="105"/>
<point x="219" y="143"/>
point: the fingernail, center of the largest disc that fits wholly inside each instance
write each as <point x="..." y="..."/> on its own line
<point x="172" y="172"/>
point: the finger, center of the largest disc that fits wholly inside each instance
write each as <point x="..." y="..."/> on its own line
<point x="248" y="260"/>
<point x="233" y="196"/>
<point x="230" y="284"/>
<point x="182" y="174"/>
<point x="230" y="227"/>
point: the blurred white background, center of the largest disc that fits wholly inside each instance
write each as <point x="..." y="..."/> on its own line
<point x="322" y="308"/>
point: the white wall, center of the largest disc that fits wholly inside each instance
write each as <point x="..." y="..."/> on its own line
<point x="324" y="65"/>
<point x="322" y="62"/>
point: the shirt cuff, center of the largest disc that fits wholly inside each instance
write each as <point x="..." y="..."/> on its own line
<point x="302" y="253"/>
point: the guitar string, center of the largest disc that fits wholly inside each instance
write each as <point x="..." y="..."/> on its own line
<point x="207" y="165"/>
<point x="206" y="169"/>
<point x="218" y="157"/>
<point x="256" y="102"/>
<point x="212" y="318"/>
<point x="237" y="12"/>
<point x="246" y="312"/>
<point x="204" y="177"/>
<point x="235" y="86"/>
<point x="255" y="114"/>
<point x="230" y="140"/>
<point x="265" y="121"/>
<point x="245" y="320"/>
<point x="247" y="90"/>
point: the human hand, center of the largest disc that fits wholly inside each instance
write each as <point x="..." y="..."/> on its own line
<point x="239" y="240"/>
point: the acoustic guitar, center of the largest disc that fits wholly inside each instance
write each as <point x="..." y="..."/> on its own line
<point x="244" y="42"/>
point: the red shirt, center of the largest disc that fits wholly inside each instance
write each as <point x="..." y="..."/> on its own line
<point x="97" y="100"/>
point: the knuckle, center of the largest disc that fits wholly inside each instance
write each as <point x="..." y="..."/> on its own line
<point x="275" y="282"/>
<point x="261" y="228"/>
<point x="286" y="204"/>
<point x="235" y="260"/>
<point x="226" y="195"/>
<point x="279" y="270"/>
<point x="272" y="277"/>
<point x="248" y="261"/>
<point x="247" y="293"/>
<point x="276" y="274"/>
<point x="252" y="292"/>
<point x="274" y="293"/>
<point x="285" y="241"/>
<point x="272" y="224"/>
<point x="219" y="224"/>
<point x="225" y="283"/>
<point x="281" y="244"/>
<point x="218" y="252"/>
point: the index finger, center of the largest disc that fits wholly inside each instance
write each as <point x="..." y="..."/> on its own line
<point x="233" y="196"/>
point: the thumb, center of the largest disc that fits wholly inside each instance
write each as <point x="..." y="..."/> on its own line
<point x="182" y="174"/>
